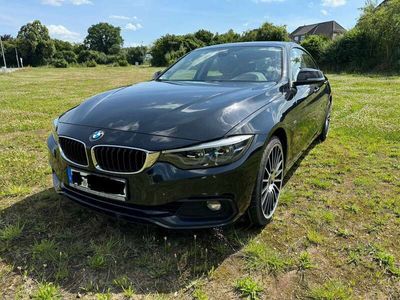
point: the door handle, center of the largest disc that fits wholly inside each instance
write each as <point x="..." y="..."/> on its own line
<point x="316" y="89"/>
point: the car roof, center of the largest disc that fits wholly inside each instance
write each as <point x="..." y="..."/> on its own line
<point x="259" y="44"/>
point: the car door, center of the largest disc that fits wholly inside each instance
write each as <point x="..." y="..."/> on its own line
<point x="320" y="97"/>
<point x="305" y="114"/>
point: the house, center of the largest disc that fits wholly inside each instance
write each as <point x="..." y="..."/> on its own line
<point x="329" y="29"/>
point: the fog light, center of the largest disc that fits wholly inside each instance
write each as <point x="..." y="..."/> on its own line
<point x="214" y="205"/>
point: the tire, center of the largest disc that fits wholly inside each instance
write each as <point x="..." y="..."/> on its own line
<point x="325" y="129"/>
<point x="266" y="192"/>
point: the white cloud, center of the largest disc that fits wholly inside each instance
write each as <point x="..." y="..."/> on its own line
<point x="81" y="2"/>
<point x="333" y="3"/>
<point x="61" y="2"/>
<point x="63" y="33"/>
<point x="119" y="17"/>
<point x="133" y="26"/>
<point x="268" y="1"/>
<point x="324" y="12"/>
<point x="53" y="2"/>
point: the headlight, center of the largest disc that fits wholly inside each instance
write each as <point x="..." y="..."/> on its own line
<point x="54" y="129"/>
<point x="210" y="154"/>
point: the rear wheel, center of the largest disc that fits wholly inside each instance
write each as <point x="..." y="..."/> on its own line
<point x="269" y="183"/>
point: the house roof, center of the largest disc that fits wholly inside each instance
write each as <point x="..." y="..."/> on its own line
<point x="326" y="28"/>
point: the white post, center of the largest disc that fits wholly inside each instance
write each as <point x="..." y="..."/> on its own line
<point x="22" y="62"/>
<point x="2" y="51"/>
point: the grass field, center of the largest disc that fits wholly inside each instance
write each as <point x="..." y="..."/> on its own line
<point x="335" y="235"/>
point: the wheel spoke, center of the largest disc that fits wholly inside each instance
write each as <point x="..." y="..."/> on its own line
<point x="271" y="203"/>
<point x="265" y="202"/>
<point x="279" y="165"/>
<point x="276" y="157"/>
<point x="265" y="189"/>
<point x="271" y="186"/>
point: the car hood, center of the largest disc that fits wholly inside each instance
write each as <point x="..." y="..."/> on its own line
<point x="188" y="110"/>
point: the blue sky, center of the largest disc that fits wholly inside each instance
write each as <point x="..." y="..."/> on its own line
<point x="143" y="21"/>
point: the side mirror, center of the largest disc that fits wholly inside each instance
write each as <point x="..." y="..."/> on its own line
<point x="156" y="75"/>
<point x="309" y="76"/>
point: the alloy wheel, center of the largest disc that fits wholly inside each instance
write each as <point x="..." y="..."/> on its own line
<point x="327" y="121"/>
<point x="272" y="181"/>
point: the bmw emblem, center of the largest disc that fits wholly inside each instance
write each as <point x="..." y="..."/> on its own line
<point x="95" y="136"/>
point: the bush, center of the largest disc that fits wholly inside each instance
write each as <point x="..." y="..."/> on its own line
<point x="123" y="63"/>
<point x="112" y="59"/>
<point x="136" y="55"/>
<point x="88" y="55"/>
<point x="166" y="48"/>
<point x="101" y="58"/>
<point x="351" y="52"/>
<point x="60" y="63"/>
<point x="67" y="55"/>
<point x="91" y="64"/>
<point x="267" y="32"/>
<point x="316" y="45"/>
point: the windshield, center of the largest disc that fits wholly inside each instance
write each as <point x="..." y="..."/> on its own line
<point x="236" y="64"/>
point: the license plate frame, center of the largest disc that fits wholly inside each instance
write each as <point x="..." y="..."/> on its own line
<point x="84" y="181"/>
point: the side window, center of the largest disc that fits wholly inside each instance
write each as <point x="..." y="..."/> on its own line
<point x="299" y="60"/>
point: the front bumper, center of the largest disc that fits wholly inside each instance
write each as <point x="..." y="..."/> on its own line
<point x="172" y="197"/>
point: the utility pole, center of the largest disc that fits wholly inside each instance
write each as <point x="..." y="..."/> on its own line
<point x="16" y="56"/>
<point x="2" y="51"/>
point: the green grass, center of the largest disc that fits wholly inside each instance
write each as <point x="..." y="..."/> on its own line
<point x="248" y="288"/>
<point x="11" y="231"/>
<point x="331" y="290"/>
<point x="335" y="234"/>
<point x="47" y="291"/>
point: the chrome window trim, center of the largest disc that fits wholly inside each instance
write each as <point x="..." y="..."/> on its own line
<point x="151" y="158"/>
<point x="66" y="158"/>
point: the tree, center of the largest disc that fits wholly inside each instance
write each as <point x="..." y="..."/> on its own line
<point x="6" y="37"/>
<point x="267" y="32"/>
<point x="104" y="37"/>
<point x="316" y="45"/>
<point x="136" y="54"/>
<point x="63" y="45"/>
<point x="381" y="25"/>
<point x="205" y="36"/>
<point x="227" y="37"/>
<point x="170" y="47"/>
<point x="34" y="44"/>
<point x="9" y="52"/>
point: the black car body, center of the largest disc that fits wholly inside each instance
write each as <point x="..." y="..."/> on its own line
<point x="123" y="151"/>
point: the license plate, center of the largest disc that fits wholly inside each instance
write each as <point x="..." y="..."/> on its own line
<point x="103" y="186"/>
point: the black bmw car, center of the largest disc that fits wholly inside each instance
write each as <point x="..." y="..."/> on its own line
<point x="205" y="142"/>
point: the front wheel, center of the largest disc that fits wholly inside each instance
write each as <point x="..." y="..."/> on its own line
<point x="269" y="183"/>
<point x="327" y="123"/>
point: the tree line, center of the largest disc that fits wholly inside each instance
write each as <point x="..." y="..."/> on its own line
<point x="102" y="45"/>
<point x="372" y="45"/>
